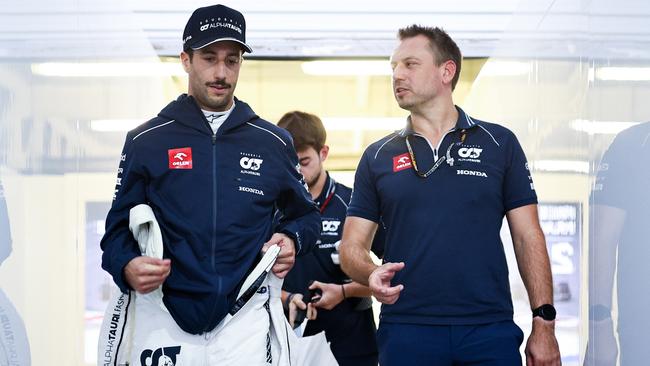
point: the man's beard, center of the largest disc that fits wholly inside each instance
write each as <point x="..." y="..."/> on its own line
<point x="312" y="182"/>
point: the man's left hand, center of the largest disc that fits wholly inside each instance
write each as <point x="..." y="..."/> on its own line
<point x="286" y="257"/>
<point x="542" y="348"/>
<point x="332" y="295"/>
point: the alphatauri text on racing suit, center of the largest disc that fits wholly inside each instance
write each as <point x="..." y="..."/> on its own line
<point x="214" y="195"/>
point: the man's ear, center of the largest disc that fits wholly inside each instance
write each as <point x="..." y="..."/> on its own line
<point x="448" y="71"/>
<point x="185" y="60"/>
<point x="324" y="152"/>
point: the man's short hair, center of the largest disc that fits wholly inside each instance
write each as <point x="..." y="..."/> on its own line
<point x="444" y="48"/>
<point x="306" y="129"/>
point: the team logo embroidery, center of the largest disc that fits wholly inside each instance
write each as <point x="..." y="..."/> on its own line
<point x="256" y="191"/>
<point x="401" y="162"/>
<point x="530" y="177"/>
<point x="330" y="227"/>
<point x="165" y="356"/>
<point x="250" y="163"/>
<point x="180" y="158"/>
<point x="473" y="173"/>
<point x="470" y="153"/>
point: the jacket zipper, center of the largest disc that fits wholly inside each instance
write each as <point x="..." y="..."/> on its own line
<point x="214" y="223"/>
<point x="214" y="199"/>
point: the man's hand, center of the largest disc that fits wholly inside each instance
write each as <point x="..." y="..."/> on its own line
<point x="298" y="303"/>
<point x="145" y="274"/>
<point x="542" y="348"/>
<point x="312" y="313"/>
<point x="295" y="304"/>
<point x="379" y="283"/>
<point x="286" y="257"/>
<point x="332" y="295"/>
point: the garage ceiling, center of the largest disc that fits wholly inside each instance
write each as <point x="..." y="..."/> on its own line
<point x="278" y="29"/>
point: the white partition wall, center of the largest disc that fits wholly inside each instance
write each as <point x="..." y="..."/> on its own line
<point x="570" y="78"/>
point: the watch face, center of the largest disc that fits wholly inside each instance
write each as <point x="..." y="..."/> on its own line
<point x="546" y="311"/>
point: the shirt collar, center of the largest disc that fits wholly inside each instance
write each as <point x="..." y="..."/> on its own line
<point x="464" y="122"/>
<point x="328" y="188"/>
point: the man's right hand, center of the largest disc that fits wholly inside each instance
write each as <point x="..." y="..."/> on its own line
<point x="145" y="274"/>
<point x="295" y="304"/>
<point x="379" y="283"/>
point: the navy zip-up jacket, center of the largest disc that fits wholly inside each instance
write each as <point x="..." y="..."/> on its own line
<point x="214" y="196"/>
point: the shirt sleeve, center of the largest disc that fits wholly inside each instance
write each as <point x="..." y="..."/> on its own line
<point x="299" y="218"/>
<point x="118" y="245"/>
<point x="613" y="185"/>
<point x="518" y="187"/>
<point x="365" y="200"/>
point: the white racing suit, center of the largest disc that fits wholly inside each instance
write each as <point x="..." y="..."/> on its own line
<point x="138" y="331"/>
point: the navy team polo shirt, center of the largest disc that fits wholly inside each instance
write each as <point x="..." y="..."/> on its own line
<point x="445" y="227"/>
<point x="351" y="332"/>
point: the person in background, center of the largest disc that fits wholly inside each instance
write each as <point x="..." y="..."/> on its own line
<point x="342" y="308"/>
<point x="619" y="253"/>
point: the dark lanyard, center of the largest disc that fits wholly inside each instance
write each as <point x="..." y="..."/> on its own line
<point x="436" y="165"/>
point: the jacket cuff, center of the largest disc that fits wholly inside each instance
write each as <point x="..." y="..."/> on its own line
<point x="118" y="276"/>
<point x="289" y="231"/>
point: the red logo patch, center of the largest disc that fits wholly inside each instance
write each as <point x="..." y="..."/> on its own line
<point x="180" y="158"/>
<point x="401" y="162"/>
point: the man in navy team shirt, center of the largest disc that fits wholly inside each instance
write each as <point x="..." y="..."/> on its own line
<point x="442" y="186"/>
<point x="344" y="309"/>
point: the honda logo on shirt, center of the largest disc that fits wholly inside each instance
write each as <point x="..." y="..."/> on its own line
<point x="401" y="162"/>
<point x="180" y="158"/>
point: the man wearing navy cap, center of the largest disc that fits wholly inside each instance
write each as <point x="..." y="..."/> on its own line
<point x="213" y="172"/>
<point x="442" y="186"/>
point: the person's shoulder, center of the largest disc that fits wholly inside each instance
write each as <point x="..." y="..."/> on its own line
<point x="636" y="135"/>
<point x="148" y="128"/>
<point x="272" y="131"/>
<point x="383" y="144"/>
<point x="343" y="191"/>
<point x="496" y="132"/>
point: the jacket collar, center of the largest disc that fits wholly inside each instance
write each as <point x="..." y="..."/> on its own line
<point x="186" y="111"/>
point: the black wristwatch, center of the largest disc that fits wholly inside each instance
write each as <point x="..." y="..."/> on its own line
<point x="546" y="312"/>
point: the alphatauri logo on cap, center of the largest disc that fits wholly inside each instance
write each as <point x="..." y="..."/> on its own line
<point x="180" y="158"/>
<point x="401" y="162"/>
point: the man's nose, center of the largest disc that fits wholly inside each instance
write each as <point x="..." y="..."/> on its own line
<point x="220" y="70"/>
<point x="398" y="73"/>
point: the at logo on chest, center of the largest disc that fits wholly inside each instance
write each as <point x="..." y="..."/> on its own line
<point x="330" y="227"/>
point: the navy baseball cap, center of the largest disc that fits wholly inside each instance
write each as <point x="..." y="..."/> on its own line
<point x="212" y="24"/>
